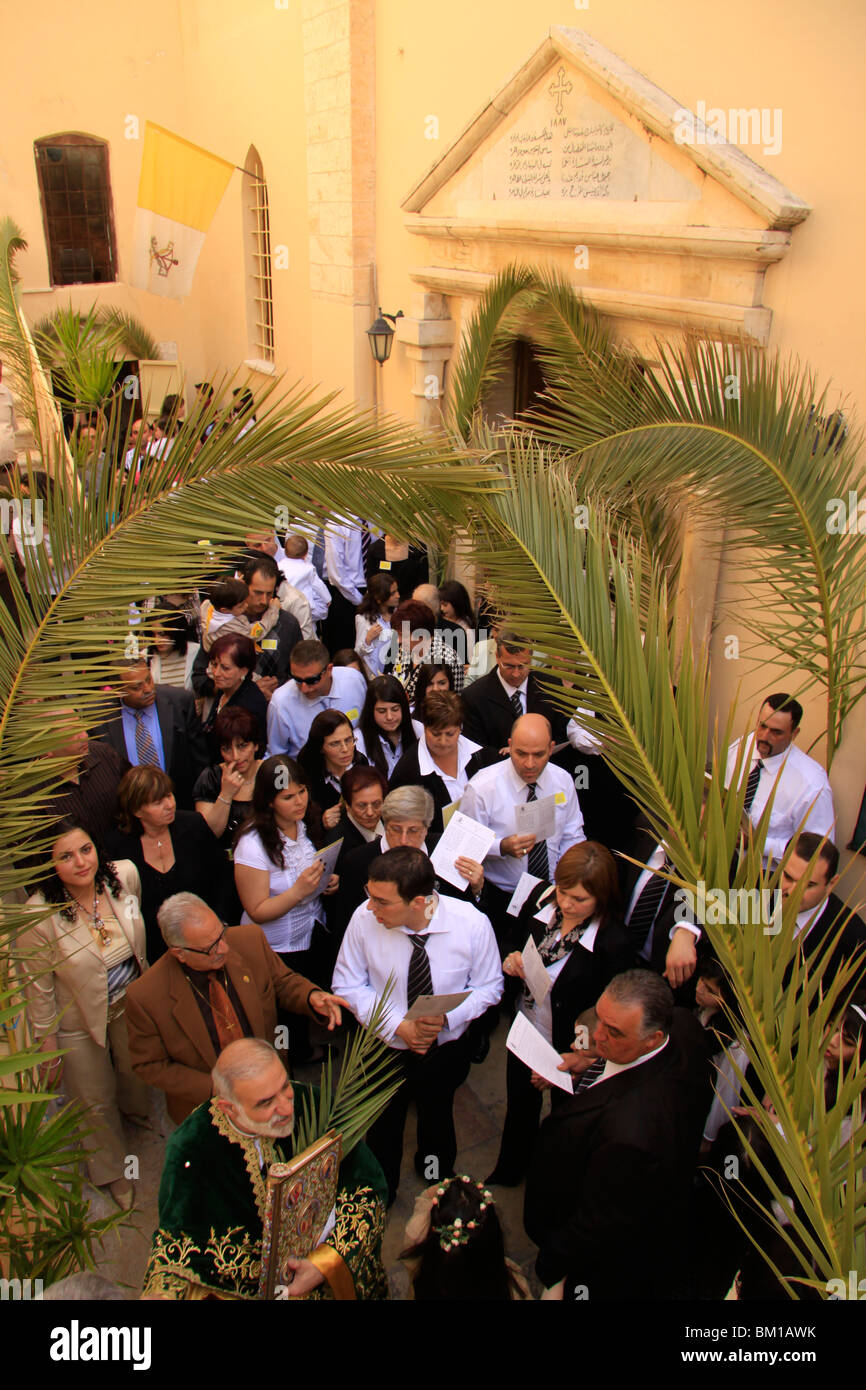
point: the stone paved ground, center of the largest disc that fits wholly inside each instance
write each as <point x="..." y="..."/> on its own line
<point x="479" y="1114"/>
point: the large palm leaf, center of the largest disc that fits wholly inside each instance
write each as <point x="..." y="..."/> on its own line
<point x="555" y="582"/>
<point x="16" y="348"/>
<point x="737" y="434"/>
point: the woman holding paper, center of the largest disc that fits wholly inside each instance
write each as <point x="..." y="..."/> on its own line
<point x="579" y="943"/>
<point x="279" y="876"/>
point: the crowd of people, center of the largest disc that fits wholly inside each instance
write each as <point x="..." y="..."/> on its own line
<point x="325" y="694"/>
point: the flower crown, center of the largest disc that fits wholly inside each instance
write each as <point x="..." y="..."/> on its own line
<point x="457" y="1232"/>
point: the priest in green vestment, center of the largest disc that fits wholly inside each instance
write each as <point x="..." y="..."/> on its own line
<point x="212" y="1194"/>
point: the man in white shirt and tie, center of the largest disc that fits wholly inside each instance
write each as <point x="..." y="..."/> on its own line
<point x="491" y="796"/>
<point x="316" y="685"/>
<point x="426" y="945"/>
<point x="803" y="799"/>
<point x="346" y="542"/>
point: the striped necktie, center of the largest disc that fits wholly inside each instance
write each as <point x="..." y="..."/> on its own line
<point x="538" y="862"/>
<point x="420" y="980"/>
<point x="145" y="748"/>
<point x="646" y="909"/>
<point x="517" y="704"/>
<point x="366" y="542"/>
<point x="592" y="1073"/>
<point x="752" y="784"/>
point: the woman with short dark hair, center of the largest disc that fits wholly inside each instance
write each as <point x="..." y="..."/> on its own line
<point x="231" y="662"/>
<point x="173" y="851"/>
<point x="442" y="760"/>
<point x="418" y="641"/>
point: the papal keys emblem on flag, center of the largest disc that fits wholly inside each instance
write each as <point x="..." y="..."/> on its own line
<point x="179" y="192"/>
<point x="164" y="258"/>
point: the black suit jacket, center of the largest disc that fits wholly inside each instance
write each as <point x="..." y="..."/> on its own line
<point x="273" y="661"/>
<point x="489" y="715"/>
<point x="851" y="944"/>
<point x="183" y="741"/>
<point x="643" y="845"/>
<point x="407" y="774"/>
<point x="353" y="883"/>
<point x="585" y="975"/>
<point x="608" y="1191"/>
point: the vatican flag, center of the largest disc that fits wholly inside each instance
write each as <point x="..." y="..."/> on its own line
<point x="178" y="193"/>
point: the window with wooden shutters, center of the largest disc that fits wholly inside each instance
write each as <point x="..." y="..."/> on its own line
<point x="257" y="246"/>
<point x="76" y="207"/>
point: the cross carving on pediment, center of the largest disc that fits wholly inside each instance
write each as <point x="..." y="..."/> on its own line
<point x="559" y="89"/>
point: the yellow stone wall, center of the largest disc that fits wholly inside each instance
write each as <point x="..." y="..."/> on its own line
<point x="337" y="97"/>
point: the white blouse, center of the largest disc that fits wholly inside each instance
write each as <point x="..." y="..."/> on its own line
<point x="293" y="931"/>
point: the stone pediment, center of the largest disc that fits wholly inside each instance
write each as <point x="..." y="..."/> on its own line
<point x="579" y="147"/>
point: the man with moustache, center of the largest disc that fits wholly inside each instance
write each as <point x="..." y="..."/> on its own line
<point x="212" y="1194"/>
<point x="802" y="798"/>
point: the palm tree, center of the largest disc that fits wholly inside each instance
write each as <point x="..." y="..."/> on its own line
<point x="588" y="482"/>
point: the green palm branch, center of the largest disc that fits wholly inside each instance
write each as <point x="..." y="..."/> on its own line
<point x="484" y="356"/>
<point x="555" y="582"/>
<point x="739" y="435"/>
<point x="369" y="1078"/>
<point x="129" y="334"/>
<point x="740" y="438"/>
<point x="16" y="349"/>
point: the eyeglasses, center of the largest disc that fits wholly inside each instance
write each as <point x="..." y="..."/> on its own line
<point x="309" y="680"/>
<point x="208" y="950"/>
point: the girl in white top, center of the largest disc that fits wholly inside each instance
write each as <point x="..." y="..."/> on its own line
<point x="373" y="636"/>
<point x="386" y="729"/>
<point x="277" y="874"/>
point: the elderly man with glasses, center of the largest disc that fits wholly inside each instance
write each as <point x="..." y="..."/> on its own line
<point x="215" y="984"/>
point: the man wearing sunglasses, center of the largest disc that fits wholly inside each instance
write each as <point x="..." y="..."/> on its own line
<point x="316" y="685"/>
<point x="214" y="985"/>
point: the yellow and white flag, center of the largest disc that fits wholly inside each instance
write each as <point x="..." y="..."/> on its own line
<point x="178" y="193"/>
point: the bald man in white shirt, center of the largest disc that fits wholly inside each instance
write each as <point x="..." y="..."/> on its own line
<point x="491" y="796"/>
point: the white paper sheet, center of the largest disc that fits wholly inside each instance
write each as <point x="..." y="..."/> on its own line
<point x="525" y="885"/>
<point x="431" y="1005"/>
<point x="534" y="972"/>
<point x="329" y="856"/>
<point x="536" y="818"/>
<point x="527" y="1043"/>
<point x="463" y="838"/>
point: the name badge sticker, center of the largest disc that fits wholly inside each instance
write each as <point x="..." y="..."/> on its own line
<point x="384" y="564"/>
<point x="351" y="714"/>
<point x="559" y="798"/>
<point x="269" y="644"/>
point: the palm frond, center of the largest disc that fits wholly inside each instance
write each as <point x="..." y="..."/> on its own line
<point x="739" y="435"/>
<point x="484" y="354"/>
<point x="130" y="334"/>
<point x="16" y="347"/>
<point x="555" y="583"/>
<point x="369" y="1078"/>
